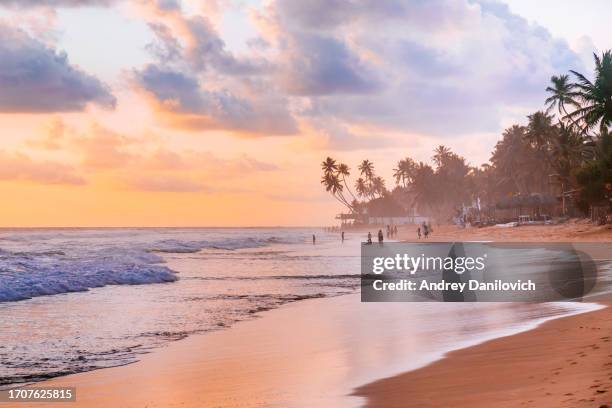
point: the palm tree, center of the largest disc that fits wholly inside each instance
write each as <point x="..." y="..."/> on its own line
<point x="440" y="154"/>
<point x="562" y="94"/>
<point x="378" y="186"/>
<point x="424" y="186"/>
<point x="483" y="183"/>
<point x="510" y="158"/>
<point x="540" y="135"/>
<point x="332" y="183"/>
<point x="329" y="166"/>
<point x="566" y="153"/>
<point x="344" y="172"/>
<point x="334" y="186"/>
<point x="361" y="187"/>
<point x="595" y="97"/>
<point x="366" y="169"/>
<point x="404" y="171"/>
<point x="540" y="130"/>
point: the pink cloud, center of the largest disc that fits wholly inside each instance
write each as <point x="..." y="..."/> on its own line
<point x="19" y="167"/>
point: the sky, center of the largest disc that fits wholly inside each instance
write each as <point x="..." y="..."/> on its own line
<point x="219" y="112"/>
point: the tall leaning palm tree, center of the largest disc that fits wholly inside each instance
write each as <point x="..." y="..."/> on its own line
<point x="562" y="93"/>
<point x="334" y="186"/>
<point x="343" y="172"/>
<point x="595" y="97"/>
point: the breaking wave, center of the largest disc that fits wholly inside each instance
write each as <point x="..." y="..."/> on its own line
<point x="24" y="275"/>
<point x="63" y="264"/>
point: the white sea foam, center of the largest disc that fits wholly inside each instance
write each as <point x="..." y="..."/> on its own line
<point x="182" y="246"/>
<point x="29" y="274"/>
<point x="41" y="263"/>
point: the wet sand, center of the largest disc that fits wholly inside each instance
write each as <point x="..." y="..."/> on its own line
<point x="321" y="352"/>
<point x="313" y="353"/>
<point x="563" y="363"/>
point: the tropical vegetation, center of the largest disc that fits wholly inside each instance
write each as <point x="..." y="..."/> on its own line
<point x="563" y="150"/>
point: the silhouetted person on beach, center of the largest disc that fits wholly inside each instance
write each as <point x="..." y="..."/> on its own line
<point x="314" y="239"/>
<point x="425" y="230"/>
<point x="381" y="237"/>
<point x="369" y="238"/>
<point x="342" y="236"/>
<point x="419" y="232"/>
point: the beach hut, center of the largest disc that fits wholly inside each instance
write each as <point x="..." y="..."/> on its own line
<point x="526" y="207"/>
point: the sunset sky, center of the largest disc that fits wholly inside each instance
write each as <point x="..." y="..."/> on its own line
<point x="219" y="112"/>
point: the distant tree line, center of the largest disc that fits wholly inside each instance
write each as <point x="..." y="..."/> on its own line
<point x="564" y="148"/>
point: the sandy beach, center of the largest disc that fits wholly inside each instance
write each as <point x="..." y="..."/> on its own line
<point x="573" y="230"/>
<point x="296" y="356"/>
<point x="339" y="352"/>
<point x="263" y="204"/>
<point x="563" y="363"/>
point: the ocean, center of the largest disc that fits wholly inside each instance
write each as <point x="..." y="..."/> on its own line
<point x="74" y="300"/>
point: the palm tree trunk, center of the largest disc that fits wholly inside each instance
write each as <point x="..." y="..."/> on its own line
<point x="567" y="116"/>
<point x="348" y="188"/>
<point x="341" y="200"/>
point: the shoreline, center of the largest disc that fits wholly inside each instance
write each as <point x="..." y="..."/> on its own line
<point x="325" y="345"/>
<point x="573" y="230"/>
<point x="565" y="360"/>
<point x="222" y="369"/>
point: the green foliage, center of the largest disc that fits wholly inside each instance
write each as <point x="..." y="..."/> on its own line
<point x="595" y="177"/>
<point x="595" y="98"/>
<point x="573" y="153"/>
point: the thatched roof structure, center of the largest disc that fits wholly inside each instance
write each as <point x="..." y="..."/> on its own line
<point x="533" y="200"/>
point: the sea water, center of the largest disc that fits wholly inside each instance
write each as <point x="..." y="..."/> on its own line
<point x="74" y="300"/>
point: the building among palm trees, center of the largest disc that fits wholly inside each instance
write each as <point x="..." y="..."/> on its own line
<point x="385" y="210"/>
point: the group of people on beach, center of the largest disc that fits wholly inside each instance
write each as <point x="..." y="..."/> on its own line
<point x="381" y="237"/>
<point x="425" y="228"/>
<point x="391" y="231"/>
<point x="423" y="231"/>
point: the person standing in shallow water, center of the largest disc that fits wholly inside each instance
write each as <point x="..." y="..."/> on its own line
<point x="381" y="236"/>
<point x="369" y="237"/>
<point x="342" y="236"/>
<point x="314" y="239"/>
<point x="419" y="232"/>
